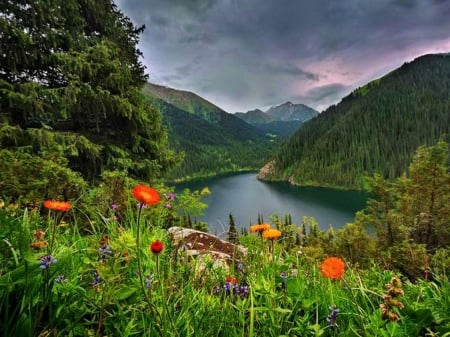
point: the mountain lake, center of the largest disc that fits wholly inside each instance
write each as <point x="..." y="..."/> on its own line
<point x="245" y="197"/>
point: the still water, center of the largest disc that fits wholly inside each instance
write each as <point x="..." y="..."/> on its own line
<point x="245" y="197"/>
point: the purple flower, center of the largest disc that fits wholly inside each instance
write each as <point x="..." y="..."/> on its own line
<point x="46" y="261"/>
<point x="170" y="196"/>
<point x="60" y="279"/>
<point x="105" y="252"/>
<point x="168" y="205"/>
<point x="114" y="207"/>
<point x="228" y="286"/>
<point x="243" y="291"/>
<point x="97" y="279"/>
<point x="331" y="318"/>
<point x="216" y="290"/>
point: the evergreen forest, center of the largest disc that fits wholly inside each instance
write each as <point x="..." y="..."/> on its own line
<point x="375" y="129"/>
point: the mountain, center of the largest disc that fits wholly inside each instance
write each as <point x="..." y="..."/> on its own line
<point x="291" y="112"/>
<point x="185" y="100"/>
<point x="282" y="120"/>
<point x="212" y="140"/>
<point x="254" y="116"/>
<point x="375" y="129"/>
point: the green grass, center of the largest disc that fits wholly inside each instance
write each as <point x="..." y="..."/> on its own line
<point x="181" y="300"/>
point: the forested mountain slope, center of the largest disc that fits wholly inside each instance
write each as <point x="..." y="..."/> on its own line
<point x="376" y="128"/>
<point x="228" y="144"/>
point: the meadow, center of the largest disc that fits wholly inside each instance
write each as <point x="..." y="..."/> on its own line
<point x="67" y="272"/>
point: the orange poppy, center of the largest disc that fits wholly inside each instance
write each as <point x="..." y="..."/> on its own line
<point x="55" y="205"/>
<point x="146" y="195"/>
<point x="259" y="228"/>
<point x="271" y="234"/>
<point x="333" y="268"/>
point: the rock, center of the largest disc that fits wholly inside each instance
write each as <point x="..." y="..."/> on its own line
<point x="204" y="246"/>
<point x="265" y="170"/>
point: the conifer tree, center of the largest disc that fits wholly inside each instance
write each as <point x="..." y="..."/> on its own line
<point x="233" y="235"/>
<point x="72" y="68"/>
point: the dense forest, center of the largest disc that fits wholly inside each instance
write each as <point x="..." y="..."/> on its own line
<point x="375" y="129"/>
<point x="213" y="148"/>
<point x="211" y="140"/>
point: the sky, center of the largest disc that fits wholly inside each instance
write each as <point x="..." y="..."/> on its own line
<point x="248" y="54"/>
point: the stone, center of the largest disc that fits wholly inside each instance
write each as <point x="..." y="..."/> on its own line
<point x="206" y="247"/>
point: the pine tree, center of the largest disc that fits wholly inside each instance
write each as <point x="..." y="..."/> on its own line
<point x="233" y="235"/>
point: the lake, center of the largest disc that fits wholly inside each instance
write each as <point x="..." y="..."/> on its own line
<point x="245" y="196"/>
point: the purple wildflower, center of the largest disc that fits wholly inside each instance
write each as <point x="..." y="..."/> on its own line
<point x="97" y="279"/>
<point x="60" y="279"/>
<point x="114" y="207"/>
<point x="168" y="205"/>
<point x="243" y="291"/>
<point x="46" y="261"/>
<point x="105" y="252"/>
<point x="228" y="287"/>
<point x="331" y="318"/>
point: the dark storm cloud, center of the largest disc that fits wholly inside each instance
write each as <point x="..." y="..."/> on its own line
<point x="245" y="54"/>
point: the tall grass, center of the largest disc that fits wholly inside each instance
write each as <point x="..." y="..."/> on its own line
<point x="91" y="291"/>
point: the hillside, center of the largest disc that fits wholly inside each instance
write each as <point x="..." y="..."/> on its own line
<point x="374" y="129"/>
<point x="282" y="120"/>
<point x="184" y="100"/>
<point x="212" y="140"/>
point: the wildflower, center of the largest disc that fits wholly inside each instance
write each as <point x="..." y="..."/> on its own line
<point x="331" y="318"/>
<point x="168" y="205"/>
<point x="46" y="261"/>
<point x="97" y="279"/>
<point x="60" y="279"/>
<point x="156" y="247"/>
<point x="39" y="244"/>
<point x="105" y="252"/>
<point x="283" y="276"/>
<point x="216" y="290"/>
<point x="62" y="206"/>
<point x="231" y="280"/>
<point x="271" y="234"/>
<point x="390" y="300"/>
<point x="146" y="195"/>
<point x="259" y="228"/>
<point x="38" y="234"/>
<point x="114" y="207"/>
<point x="228" y="286"/>
<point x="240" y="267"/>
<point x="333" y="268"/>
<point x="244" y="291"/>
<point x="148" y="281"/>
<point x="170" y="196"/>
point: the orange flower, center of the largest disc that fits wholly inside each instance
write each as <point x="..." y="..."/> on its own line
<point x="62" y="206"/>
<point x="156" y="247"/>
<point x="259" y="228"/>
<point x="333" y="268"/>
<point x="271" y="234"/>
<point x="231" y="279"/>
<point x="146" y="195"/>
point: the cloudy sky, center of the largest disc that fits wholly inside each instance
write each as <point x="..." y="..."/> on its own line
<point x="247" y="54"/>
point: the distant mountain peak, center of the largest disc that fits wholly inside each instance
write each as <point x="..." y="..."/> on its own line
<point x="289" y="111"/>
